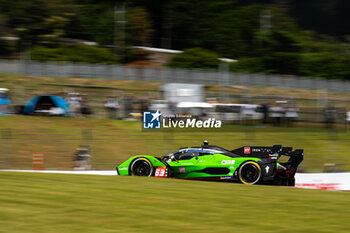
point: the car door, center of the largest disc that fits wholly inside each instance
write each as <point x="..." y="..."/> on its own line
<point x="217" y="165"/>
<point x="200" y="164"/>
<point x="185" y="164"/>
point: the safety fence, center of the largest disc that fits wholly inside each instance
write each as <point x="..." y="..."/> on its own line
<point x="119" y="72"/>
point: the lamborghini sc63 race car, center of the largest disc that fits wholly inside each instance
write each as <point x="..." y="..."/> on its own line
<point x="248" y="165"/>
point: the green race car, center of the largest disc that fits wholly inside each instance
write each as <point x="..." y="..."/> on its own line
<point x="248" y="165"/>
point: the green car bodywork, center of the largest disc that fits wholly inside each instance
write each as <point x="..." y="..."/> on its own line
<point x="190" y="167"/>
<point x="248" y="165"/>
<point x="123" y="169"/>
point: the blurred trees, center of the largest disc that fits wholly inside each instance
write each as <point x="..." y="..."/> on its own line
<point x="37" y="19"/>
<point x="262" y="37"/>
<point x="24" y="17"/>
<point x="6" y="47"/>
<point x="195" y="58"/>
<point x="221" y="26"/>
<point x="78" y="53"/>
<point x="140" y="26"/>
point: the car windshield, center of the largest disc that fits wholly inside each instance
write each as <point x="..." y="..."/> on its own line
<point x="188" y="153"/>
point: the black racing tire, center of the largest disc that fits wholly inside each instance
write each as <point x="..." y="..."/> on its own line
<point x="249" y="173"/>
<point x="141" y="167"/>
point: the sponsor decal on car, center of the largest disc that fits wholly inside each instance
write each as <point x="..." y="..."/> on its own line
<point x="187" y="164"/>
<point x="267" y="169"/>
<point x="246" y="150"/>
<point x="228" y="162"/>
<point x="226" y="177"/>
<point x="182" y="170"/>
<point x="160" y="172"/>
<point x="273" y="156"/>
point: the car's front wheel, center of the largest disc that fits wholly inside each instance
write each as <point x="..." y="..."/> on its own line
<point x="141" y="167"/>
<point x="249" y="172"/>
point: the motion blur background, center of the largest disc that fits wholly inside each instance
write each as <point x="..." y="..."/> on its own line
<point x="275" y="72"/>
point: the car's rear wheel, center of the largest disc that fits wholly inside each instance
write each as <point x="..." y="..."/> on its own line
<point x="141" y="167"/>
<point x="249" y="173"/>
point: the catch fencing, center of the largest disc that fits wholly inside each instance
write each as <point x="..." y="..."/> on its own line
<point x="167" y="75"/>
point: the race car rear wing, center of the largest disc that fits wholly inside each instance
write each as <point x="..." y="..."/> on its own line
<point x="265" y="152"/>
<point x="273" y="152"/>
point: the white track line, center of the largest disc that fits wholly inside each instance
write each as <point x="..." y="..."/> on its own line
<point x="102" y="172"/>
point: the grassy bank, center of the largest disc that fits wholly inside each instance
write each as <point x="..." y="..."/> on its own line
<point x="113" y="141"/>
<point x="86" y="203"/>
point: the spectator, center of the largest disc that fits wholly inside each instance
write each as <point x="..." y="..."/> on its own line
<point x="265" y="111"/>
<point x="85" y="111"/>
<point x="276" y="113"/>
<point x="291" y="115"/>
<point x="128" y="105"/>
<point x="112" y="106"/>
<point x="144" y="106"/>
<point x="347" y="119"/>
<point x="330" y="115"/>
<point x="82" y="158"/>
<point x="74" y="101"/>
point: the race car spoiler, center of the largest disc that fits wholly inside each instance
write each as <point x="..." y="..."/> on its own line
<point x="273" y="153"/>
<point x="267" y="152"/>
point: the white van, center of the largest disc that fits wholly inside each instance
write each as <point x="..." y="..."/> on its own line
<point x="236" y="112"/>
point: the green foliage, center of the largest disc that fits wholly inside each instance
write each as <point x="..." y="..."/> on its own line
<point x="325" y="65"/>
<point x="99" y="22"/>
<point x="221" y="26"/>
<point x="135" y="54"/>
<point x="7" y="47"/>
<point x="80" y="53"/>
<point x="41" y="19"/>
<point x="140" y="26"/>
<point x="196" y="58"/>
<point x="248" y="64"/>
<point x="264" y="38"/>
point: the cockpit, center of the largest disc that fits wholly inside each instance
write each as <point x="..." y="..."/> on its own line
<point x="189" y="153"/>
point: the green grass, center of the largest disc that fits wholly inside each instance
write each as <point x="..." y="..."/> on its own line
<point x="113" y="141"/>
<point x="87" y="203"/>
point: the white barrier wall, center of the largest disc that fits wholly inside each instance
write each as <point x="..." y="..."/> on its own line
<point x="328" y="181"/>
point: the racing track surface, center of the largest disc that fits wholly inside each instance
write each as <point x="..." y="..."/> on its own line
<point x="326" y="181"/>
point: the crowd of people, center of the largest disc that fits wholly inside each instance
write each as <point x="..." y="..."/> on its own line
<point x="280" y="113"/>
<point x="277" y="113"/>
<point x="128" y="106"/>
<point x="116" y="107"/>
